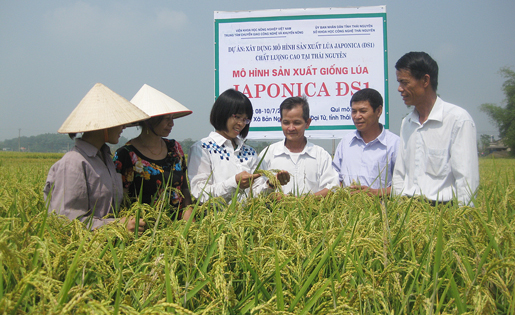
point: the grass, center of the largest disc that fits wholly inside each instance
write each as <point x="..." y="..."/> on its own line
<point x="341" y="254"/>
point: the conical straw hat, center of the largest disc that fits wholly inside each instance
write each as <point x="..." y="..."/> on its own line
<point x="156" y="103"/>
<point x="101" y="108"/>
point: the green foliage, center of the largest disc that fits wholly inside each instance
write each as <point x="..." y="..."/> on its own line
<point x="504" y="117"/>
<point x="48" y="142"/>
<point x="484" y="141"/>
<point x="186" y="144"/>
<point x="342" y="254"/>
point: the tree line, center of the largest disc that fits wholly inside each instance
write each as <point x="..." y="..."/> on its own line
<point x="56" y="142"/>
<point x="504" y="116"/>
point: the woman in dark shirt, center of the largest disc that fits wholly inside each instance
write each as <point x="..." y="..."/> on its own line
<point x="150" y="162"/>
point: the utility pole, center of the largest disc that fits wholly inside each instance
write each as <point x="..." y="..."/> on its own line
<point x="19" y="143"/>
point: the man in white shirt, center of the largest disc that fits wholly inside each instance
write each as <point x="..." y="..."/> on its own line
<point x="437" y="155"/>
<point x="309" y="165"/>
<point x="367" y="156"/>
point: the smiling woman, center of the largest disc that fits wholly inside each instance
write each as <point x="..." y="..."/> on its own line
<point x="222" y="164"/>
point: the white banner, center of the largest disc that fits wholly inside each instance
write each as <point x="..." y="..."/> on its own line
<point x="325" y="54"/>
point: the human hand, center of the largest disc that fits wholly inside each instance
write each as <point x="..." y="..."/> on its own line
<point x="354" y="189"/>
<point x="283" y="177"/>
<point x="277" y="196"/>
<point x="130" y="223"/>
<point x="186" y="213"/>
<point x="245" y="179"/>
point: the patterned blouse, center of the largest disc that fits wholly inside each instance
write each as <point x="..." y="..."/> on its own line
<point x="155" y="175"/>
<point x="213" y="164"/>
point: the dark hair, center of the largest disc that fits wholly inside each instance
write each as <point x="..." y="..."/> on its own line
<point x="295" y="101"/>
<point x="230" y="102"/>
<point x="152" y="122"/>
<point x="419" y="64"/>
<point x="373" y="97"/>
<point x="72" y="135"/>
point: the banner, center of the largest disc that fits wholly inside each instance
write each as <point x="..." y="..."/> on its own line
<point x="325" y="54"/>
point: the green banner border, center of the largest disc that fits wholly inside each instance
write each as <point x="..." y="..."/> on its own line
<point x="334" y="127"/>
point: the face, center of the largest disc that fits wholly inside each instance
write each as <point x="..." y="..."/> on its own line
<point x="113" y="134"/>
<point x="293" y="124"/>
<point x="364" y="116"/>
<point x="234" y="126"/>
<point x="164" y="128"/>
<point x="412" y="90"/>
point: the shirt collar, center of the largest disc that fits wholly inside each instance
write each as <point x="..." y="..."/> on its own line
<point x="308" y="149"/>
<point x="435" y="114"/>
<point x="220" y="140"/>
<point x="437" y="110"/>
<point x="89" y="149"/>
<point x="381" y="138"/>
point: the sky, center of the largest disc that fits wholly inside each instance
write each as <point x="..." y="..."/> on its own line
<point x="53" y="52"/>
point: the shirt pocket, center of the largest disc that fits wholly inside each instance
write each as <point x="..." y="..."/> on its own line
<point x="437" y="162"/>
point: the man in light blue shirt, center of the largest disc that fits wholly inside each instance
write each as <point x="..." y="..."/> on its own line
<point x="365" y="159"/>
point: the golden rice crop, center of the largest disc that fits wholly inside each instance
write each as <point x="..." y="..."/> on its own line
<point x="342" y="254"/>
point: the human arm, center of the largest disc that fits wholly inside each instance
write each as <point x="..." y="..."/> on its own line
<point x="185" y="190"/>
<point x="337" y="161"/>
<point x="321" y="193"/>
<point x="187" y="203"/>
<point x="399" y="171"/>
<point x="265" y="184"/>
<point x="186" y="193"/>
<point x="464" y="161"/>
<point x="392" y="152"/>
<point x="329" y="177"/>
<point x="381" y="192"/>
<point x="245" y="179"/>
<point x="125" y="166"/>
<point x="205" y="181"/>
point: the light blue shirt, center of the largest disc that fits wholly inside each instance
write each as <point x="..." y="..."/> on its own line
<point x="367" y="164"/>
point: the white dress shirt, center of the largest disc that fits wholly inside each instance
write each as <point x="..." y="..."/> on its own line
<point x="213" y="163"/>
<point x="438" y="159"/>
<point x="367" y="164"/>
<point x="311" y="170"/>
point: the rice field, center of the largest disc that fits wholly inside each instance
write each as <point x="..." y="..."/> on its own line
<point x="341" y="254"/>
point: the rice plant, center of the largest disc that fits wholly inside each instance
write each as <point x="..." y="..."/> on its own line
<point x="342" y="254"/>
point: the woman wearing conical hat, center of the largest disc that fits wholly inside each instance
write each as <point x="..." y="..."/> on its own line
<point x="84" y="184"/>
<point x="151" y="163"/>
